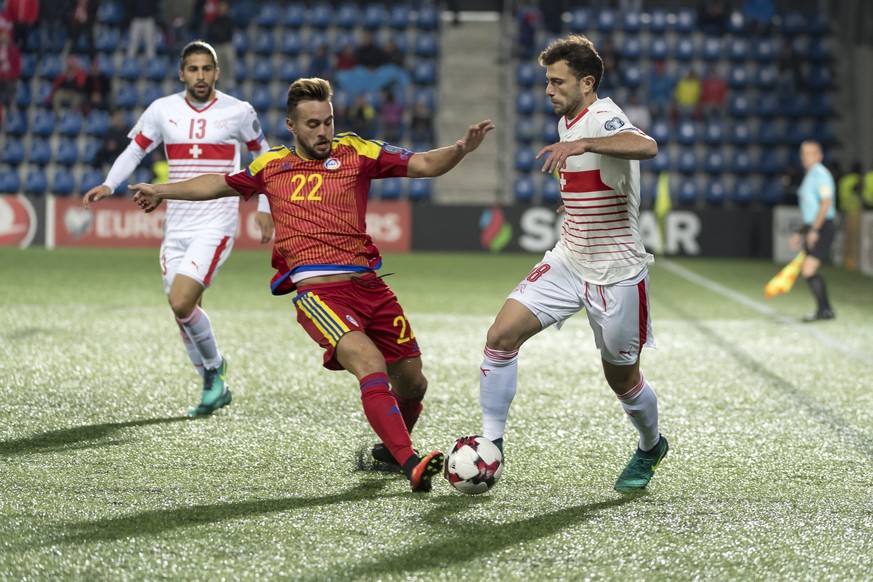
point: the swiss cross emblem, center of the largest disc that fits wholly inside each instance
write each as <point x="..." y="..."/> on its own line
<point x="195" y="151"/>
<point x="563" y="181"/>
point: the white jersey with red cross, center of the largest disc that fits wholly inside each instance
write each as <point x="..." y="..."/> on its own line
<point x="200" y="141"/>
<point x="600" y="237"/>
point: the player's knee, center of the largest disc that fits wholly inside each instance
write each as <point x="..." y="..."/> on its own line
<point x="502" y="338"/>
<point x="414" y="388"/>
<point x="181" y="307"/>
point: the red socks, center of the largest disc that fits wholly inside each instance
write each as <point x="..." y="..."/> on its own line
<point x="386" y="416"/>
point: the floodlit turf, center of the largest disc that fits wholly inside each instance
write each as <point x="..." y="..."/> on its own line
<point x="769" y="476"/>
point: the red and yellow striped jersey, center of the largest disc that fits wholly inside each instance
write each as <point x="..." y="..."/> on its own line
<point x="319" y="206"/>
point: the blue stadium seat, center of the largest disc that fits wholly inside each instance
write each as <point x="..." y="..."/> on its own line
<point x="738" y="77"/>
<point x="740" y="133"/>
<point x="131" y="69"/>
<point x="606" y="20"/>
<point x="631" y="48"/>
<point x="549" y="131"/>
<point x="106" y="65"/>
<point x="525" y="130"/>
<point x="294" y="15"/>
<point x="63" y="182"/>
<point x="716" y="191"/>
<point x="70" y="124"/>
<point x="67" y="153"/>
<point x="736" y="24"/>
<point x="818" y="24"/>
<point x="420" y="189"/>
<point x="373" y="17"/>
<point x="127" y="96"/>
<point x="28" y="66"/>
<point x="823" y="132"/>
<point x="265" y="44"/>
<point x="819" y="78"/>
<point x="684" y="50"/>
<point x="686" y="132"/>
<point x="399" y="18"/>
<point x="739" y="106"/>
<point x="821" y="106"/>
<point x="524" y="159"/>
<point x="792" y="105"/>
<point x="661" y="162"/>
<point x="525" y="102"/>
<point x="156" y="69"/>
<point x="36" y="181"/>
<point x="551" y="189"/>
<point x="527" y="74"/>
<point x="688" y="191"/>
<point x="240" y="42"/>
<point x="110" y="12"/>
<point x="43" y="122"/>
<point x="743" y="191"/>
<point x="711" y="49"/>
<point x="40" y="152"/>
<point x="348" y="16"/>
<point x="686" y="161"/>
<point x="91" y="177"/>
<point x="89" y="151"/>
<point x="658" y="21"/>
<point x="658" y="49"/>
<point x="686" y="21"/>
<point x="713" y="132"/>
<point x="632" y="75"/>
<point x="428" y="17"/>
<point x="648" y="190"/>
<point x="426" y="45"/>
<point x="268" y="15"/>
<point x="50" y="66"/>
<point x="43" y="94"/>
<point x="772" y="161"/>
<point x="106" y="39"/>
<point x="10" y="181"/>
<point x="290" y="71"/>
<point x="13" y="151"/>
<point x="766" y="77"/>
<point x="524" y="189"/>
<point x="424" y="73"/>
<point x="23" y="98"/>
<point x="260" y="97"/>
<point x="580" y="20"/>
<point x="738" y="50"/>
<point x="392" y="188"/>
<point x="15" y="122"/>
<point x="741" y="163"/>
<point x="713" y="161"/>
<point x="631" y="22"/>
<point x="764" y="50"/>
<point x="770" y="132"/>
<point x="152" y="91"/>
<point x="796" y="131"/>
<point x="772" y="191"/>
<point x="291" y="43"/>
<point x="793" y="23"/>
<point x="263" y="71"/>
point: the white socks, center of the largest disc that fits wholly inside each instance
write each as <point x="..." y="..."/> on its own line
<point x="498" y="382"/>
<point x="199" y="330"/>
<point x="641" y="406"/>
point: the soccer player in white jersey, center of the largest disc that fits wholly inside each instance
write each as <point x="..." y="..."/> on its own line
<point x="201" y="129"/>
<point x="599" y="263"/>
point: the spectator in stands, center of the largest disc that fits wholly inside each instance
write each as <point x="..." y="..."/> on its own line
<point x="552" y="12"/>
<point x="390" y="116"/>
<point x="207" y="11"/>
<point x="790" y="68"/>
<point x="143" y="26"/>
<point x="54" y="19"/>
<point x="369" y="54"/>
<point x="421" y="131"/>
<point x="528" y="22"/>
<point x="114" y="141"/>
<point x="98" y="87"/>
<point x="219" y="33"/>
<point x="816" y="234"/>
<point x="10" y="69"/>
<point x="759" y="15"/>
<point x="638" y="113"/>
<point x="160" y="167"/>
<point x="687" y="94"/>
<point x="320" y="64"/>
<point x="81" y="24"/>
<point x="713" y="94"/>
<point x="660" y="86"/>
<point x="362" y="117"/>
<point x="393" y="54"/>
<point x="712" y="16"/>
<point x="177" y="15"/>
<point x="609" y="55"/>
<point x="867" y="188"/>
<point x="346" y="58"/>
<point x="70" y="87"/>
<point x="23" y="15"/>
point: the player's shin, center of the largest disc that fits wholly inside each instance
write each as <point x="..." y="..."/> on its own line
<point x="498" y="382"/>
<point x="641" y="406"/>
<point x="384" y="416"/>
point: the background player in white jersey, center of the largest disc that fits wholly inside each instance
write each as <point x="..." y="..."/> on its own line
<point x="201" y="129"/>
<point x="599" y="263"/>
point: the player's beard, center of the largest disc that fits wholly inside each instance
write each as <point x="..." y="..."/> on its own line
<point x="314" y="154"/>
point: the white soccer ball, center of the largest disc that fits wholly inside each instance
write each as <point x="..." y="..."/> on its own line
<point x="473" y="465"/>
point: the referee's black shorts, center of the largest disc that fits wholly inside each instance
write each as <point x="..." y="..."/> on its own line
<point x="822" y="248"/>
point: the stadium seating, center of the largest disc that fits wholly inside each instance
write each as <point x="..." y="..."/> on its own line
<point x="43" y="123"/>
<point x="420" y="189"/>
<point x="15" y="123"/>
<point x="67" y="152"/>
<point x="10" y="181"/>
<point x="716" y="191"/>
<point x="63" y="182"/>
<point x="13" y="151"/>
<point x="524" y="189"/>
<point x="688" y="192"/>
<point x="36" y="181"/>
<point x="40" y="152"/>
<point x="70" y="124"/>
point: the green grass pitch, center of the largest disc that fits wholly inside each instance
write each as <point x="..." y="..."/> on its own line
<point x="769" y="477"/>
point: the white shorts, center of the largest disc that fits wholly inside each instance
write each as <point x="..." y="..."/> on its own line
<point x="618" y="314"/>
<point x="195" y="255"/>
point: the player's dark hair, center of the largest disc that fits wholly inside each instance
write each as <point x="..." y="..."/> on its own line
<point x="312" y="89"/>
<point x="580" y="54"/>
<point x="196" y="47"/>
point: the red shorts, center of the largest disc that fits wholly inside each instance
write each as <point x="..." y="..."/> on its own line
<point x="327" y="311"/>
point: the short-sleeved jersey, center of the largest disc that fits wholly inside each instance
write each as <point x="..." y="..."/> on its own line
<point x="600" y="237"/>
<point x="200" y="141"/>
<point x="319" y="206"/>
<point x="817" y="185"/>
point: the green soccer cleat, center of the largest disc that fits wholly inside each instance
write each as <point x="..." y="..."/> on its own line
<point x="642" y="467"/>
<point x="215" y="392"/>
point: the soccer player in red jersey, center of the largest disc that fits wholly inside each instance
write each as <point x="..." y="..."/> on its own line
<point x="318" y="196"/>
<point x="202" y="129"/>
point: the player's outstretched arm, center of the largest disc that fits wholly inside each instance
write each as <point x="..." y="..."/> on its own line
<point x="204" y="187"/>
<point x="96" y="194"/>
<point x="439" y="161"/>
<point x="627" y="145"/>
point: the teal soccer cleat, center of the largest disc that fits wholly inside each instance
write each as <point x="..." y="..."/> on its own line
<point x="215" y="392"/>
<point x="642" y="467"/>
